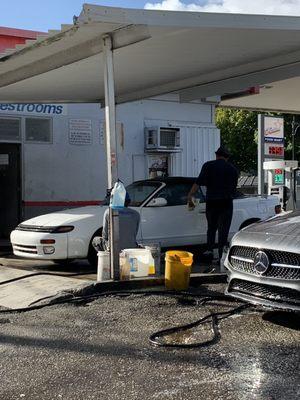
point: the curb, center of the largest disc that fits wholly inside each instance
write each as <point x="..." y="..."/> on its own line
<point x="137" y="283"/>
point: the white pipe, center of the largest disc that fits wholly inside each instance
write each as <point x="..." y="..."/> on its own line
<point x="111" y="150"/>
<point x="110" y="112"/>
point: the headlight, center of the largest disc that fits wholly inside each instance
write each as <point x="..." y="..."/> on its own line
<point x="63" y="229"/>
<point x="46" y="229"/>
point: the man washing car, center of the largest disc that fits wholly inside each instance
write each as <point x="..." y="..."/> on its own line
<point x="220" y="179"/>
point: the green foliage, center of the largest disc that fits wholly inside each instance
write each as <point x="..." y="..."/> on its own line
<point x="239" y="134"/>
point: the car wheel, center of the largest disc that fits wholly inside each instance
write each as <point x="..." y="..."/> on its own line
<point x="92" y="253"/>
<point x="249" y="222"/>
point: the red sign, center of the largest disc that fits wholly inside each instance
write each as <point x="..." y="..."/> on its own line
<point x="276" y="150"/>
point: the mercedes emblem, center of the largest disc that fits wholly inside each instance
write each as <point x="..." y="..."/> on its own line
<point x="261" y="262"/>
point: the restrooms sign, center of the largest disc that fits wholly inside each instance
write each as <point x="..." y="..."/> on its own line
<point x="36" y="109"/>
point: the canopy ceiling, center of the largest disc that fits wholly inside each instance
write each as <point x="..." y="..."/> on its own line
<point x="281" y="96"/>
<point x="196" y="54"/>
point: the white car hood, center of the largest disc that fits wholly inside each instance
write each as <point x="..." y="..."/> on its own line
<point x="68" y="216"/>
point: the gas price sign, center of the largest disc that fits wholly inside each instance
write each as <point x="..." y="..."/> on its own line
<point x="273" y="137"/>
<point x="278" y="177"/>
<point x="276" y="150"/>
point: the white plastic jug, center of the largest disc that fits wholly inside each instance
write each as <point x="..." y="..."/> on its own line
<point x="139" y="260"/>
<point x="155" y="252"/>
<point x="124" y="267"/>
<point x="103" y="271"/>
<point x="118" y="195"/>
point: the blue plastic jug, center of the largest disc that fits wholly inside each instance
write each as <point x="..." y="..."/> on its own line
<point x="118" y="195"/>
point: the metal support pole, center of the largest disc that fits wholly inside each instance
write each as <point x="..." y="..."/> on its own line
<point x="293" y="138"/>
<point x="260" y="155"/>
<point x="114" y="244"/>
<point x="111" y="150"/>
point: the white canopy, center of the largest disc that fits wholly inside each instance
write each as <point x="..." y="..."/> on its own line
<point x="281" y="96"/>
<point x="155" y="52"/>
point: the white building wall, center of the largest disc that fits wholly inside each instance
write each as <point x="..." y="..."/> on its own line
<point x="63" y="171"/>
<point x="59" y="172"/>
<point x="199" y="144"/>
<point x="199" y="136"/>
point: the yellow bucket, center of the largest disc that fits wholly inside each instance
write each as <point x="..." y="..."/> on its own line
<point x="178" y="269"/>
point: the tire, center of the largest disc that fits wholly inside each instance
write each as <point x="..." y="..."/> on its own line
<point x="92" y="254"/>
<point x="249" y="222"/>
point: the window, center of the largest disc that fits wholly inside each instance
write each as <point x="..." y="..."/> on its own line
<point x="176" y="194"/>
<point x="140" y="191"/>
<point x="38" y="130"/>
<point x="10" y="129"/>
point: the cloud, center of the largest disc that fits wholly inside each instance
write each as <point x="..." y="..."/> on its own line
<point x="268" y="7"/>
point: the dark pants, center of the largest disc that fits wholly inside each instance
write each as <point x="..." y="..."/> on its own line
<point x="219" y="216"/>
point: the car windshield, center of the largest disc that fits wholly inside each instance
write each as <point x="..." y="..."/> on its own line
<point x="139" y="192"/>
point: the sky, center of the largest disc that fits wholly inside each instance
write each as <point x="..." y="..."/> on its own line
<point x="42" y="15"/>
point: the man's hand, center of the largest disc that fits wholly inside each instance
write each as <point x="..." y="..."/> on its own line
<point x="190" y="199"/>
<point x="190" y="202"/>
<point x="191" y="205"/>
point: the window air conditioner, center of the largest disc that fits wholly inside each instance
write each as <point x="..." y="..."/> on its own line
<point x="162" y="139"/>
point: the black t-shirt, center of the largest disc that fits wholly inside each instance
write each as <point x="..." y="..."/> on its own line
<point x="220" y="178"/>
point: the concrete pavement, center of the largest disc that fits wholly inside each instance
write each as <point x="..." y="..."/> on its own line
<point x="37" y="279"/>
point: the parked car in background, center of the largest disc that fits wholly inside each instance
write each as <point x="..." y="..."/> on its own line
<point x="264" y="263"/>
<point x="165" y="219"/>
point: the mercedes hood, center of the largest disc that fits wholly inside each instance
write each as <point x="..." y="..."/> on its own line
<point x="278" y="233"/>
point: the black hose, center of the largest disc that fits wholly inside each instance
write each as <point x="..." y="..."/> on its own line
<point x="214" y="317"/>
<point x="86" y="298"/>
<point x="19" y="278"/>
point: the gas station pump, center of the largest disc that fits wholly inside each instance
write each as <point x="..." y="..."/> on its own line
<point x="282" y="181"/>
<point x="297" y="187"/>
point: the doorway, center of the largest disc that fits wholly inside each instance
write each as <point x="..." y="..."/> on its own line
<point x="10" y="188"/>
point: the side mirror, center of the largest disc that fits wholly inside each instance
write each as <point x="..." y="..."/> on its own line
<point x="158" y="202"/>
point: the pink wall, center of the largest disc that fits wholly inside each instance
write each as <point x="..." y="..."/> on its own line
<point x="10" y="37"/>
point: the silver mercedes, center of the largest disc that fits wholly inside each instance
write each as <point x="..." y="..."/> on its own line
<point x="264" y="263"/>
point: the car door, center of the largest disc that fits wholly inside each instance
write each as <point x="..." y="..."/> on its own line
<point x="172" y="224"/>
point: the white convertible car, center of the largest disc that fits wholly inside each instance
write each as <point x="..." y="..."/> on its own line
<point x="165" y="219"/>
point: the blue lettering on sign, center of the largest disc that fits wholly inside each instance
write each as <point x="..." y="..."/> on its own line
<point x="50" y="109"/>
<point x="59" y="109"/>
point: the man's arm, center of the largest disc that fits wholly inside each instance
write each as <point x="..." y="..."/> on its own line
<point x="200" y="181"/>
<point x="193" y="190"/>
<point x="236" y="175"/>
